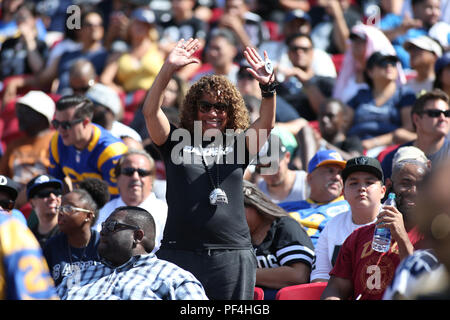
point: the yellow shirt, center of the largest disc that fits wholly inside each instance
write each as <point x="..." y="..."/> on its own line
<point x="136" y="74"/>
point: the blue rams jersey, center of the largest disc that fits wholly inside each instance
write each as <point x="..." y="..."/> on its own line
<point x="97" y="160"/>
<point x="24" y="273"/>
<point x="314" y="216"/>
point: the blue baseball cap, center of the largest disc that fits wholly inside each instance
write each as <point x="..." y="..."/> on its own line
<point x="324" y="157"/>
<point x="42" y="181"/>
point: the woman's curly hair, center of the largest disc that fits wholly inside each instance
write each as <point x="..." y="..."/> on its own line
<point x="225" y="92"/>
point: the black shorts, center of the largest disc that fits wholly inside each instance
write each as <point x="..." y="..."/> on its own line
<point x="226" y="274"/>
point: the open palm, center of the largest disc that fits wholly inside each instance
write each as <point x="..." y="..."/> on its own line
<point x="183" y="52"/>
<point x="257" y="70"/>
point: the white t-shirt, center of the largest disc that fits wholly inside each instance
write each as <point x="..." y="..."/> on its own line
<point x="156" y="207"/>
<point x="330" y="241"/>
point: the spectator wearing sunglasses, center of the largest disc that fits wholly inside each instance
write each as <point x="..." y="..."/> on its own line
<point x="382" y="111"/>
<point x="9" y="189"/>
<point x="75" y="247"/>
<point x="129" y="270"/>
<point x="206" y="231"/>
<point x="44" y="194"/>
<point x="80" y="148"/>
<point x="135" y="172"/>
<point x="431" y="121"/>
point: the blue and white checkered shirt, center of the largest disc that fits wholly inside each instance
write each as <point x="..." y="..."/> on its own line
<point x="142" y="277"/>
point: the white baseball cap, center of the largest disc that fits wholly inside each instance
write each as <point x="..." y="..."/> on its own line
<point x="425" y="43"/>
<point x="40" y="102"/>
<point x="106" y="96"/>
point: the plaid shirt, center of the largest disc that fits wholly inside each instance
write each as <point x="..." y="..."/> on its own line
<point x="142" y="277"/>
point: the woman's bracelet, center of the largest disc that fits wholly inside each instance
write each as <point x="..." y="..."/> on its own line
<point x="269" y="89"/>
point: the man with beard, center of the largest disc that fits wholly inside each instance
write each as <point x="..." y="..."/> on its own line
<point x="325" y="200"/>
<point x="359" y="271"/>
<point x="135" y="172"/>
<point x="129" y="270"/>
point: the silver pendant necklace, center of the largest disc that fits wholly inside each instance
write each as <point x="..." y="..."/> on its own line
<point x="217" y="195"/>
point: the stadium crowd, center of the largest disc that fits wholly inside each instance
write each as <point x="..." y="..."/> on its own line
<point x="348" y="101"/>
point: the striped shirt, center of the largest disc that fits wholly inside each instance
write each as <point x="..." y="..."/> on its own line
<point x="143" y="277"/>
<point x="286" y="243"/>
<point x="97" y="160"/>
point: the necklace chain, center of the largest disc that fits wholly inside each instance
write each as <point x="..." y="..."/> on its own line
<point x="209" y="171"/>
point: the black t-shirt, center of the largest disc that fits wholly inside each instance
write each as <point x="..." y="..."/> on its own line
<point x="286" y="243"/>
<point x="191" y="28"/>
<point x="192" y="222"/>
<point x="14" y="57"/>
<point x="42" y="238"/>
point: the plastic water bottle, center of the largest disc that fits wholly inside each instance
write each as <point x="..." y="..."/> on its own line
<point x="382" y="236"/>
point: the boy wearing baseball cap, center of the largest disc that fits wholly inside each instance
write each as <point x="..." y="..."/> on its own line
<point x="359" y="271"/>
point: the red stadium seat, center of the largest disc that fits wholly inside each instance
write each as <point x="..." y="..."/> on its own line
<point x="307" y="291"/>
<point x="259" y="294"/>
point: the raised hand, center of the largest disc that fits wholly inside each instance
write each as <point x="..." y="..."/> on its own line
<point x="257" y="64"/>
<point x="182" y="53"/>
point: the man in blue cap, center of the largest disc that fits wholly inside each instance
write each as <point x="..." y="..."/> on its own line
<point x="325" y="200"/>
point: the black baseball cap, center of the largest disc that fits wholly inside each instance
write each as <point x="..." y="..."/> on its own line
<point x="9" y="186"/>
<point x="378" y="58"/>
<point x="365" y="164"/>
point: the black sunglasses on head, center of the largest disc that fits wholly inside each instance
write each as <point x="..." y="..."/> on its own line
<point x="111" y="226"/>
<point x="436" y="113"/>
<point x="46" y="193"/>
<point x="65" y="124"/>
<point x="130" y="171"/>
<point x="205" y="107"/>
<point x="7" y="204"/>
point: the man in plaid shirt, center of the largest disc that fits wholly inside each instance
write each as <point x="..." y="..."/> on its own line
<point x="129" y="271"/>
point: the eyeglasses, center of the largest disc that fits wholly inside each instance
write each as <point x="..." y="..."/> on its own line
<point x="436" y="113"/>
<point x="296" y="48"/>
<point x="65" y="124"/>
<point x="205" y="107"/>
<point x="68" y="209"/>
<point x="109" y="227"/>
<point x="130" y="171"/>
<point x="46" y="193"/>
<point x="7" y="204"/>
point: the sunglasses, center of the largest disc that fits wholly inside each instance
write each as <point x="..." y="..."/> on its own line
<point x="436" y="113"/>
<point x="65" y="124"/>
<point x="46" y="193"/>
<point x="141" y="172"/>
<point x="109" y="227"/>
<point x="7" y="204"/>
<point x="68" y="209"/>
<point x="296" y="48"/>
<point x="385" y="63"/>
<point x="205" y="107"/>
